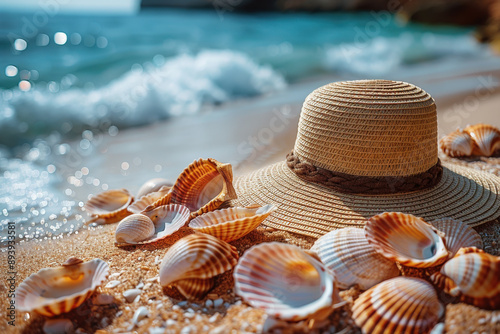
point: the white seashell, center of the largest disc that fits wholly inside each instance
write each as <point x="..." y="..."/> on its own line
<point x="165" y="220"/>
<point x="134" y="229"/>
<point x="112" y="284"/>
<point x="141" y="313"/>
<point x="143" y="202"/>
<point x="53" y="291"/>
<point x="457" y="235"/>
<point x="472" y="275"/>
<point x="486" y="139"/>
<point x="406" y="239"/>
<point x="193" y="261"/>
<point x="58" y="326"/>
<point x="350" y="257"/>
<point x="152" y="186"/>
<point x="203" y="186"/>
<point x="285" y="282"/>
<point x="109" y="206"/>
<point x="398" y="305"/>
<point x="457" y="144"/>
<point x="131" y="294"/>
<point x="232" y="223"/>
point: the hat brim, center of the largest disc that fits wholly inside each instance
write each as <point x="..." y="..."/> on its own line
<point x="313" y="210"/>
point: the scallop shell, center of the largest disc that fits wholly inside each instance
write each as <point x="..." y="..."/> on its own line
<point x="350" y="257"/>
<point x="486" y="139"/>
<point x="145" y="201"/>
<point x="165" y="220"/>
<point x="203" y="186"/>
<point x="457" y="144"/>
<point x="232" y="223"/>
<point x="398" y="305"/>
<point x="285" y="282"/>
<point x="152" y="186"/>
<point x="457" y="235"/>
<point x="473" y="276"/>
<point x="109" y="206"/>
<point x="406" y="239"/>
<point x="53" y="291"/>
<point x="134" y="229"/>
<point x="193" y="261"/>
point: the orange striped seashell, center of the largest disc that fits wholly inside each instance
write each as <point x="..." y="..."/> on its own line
<point x="457" y="235"/>
<point x="152" y="186"/>
<point x="398" y="305"/>
<point x="486" y="139"/>
<point x="406" y="239"/>
<point x="145" y="201"/>
<point x="53" y="291"/>
<point x="286" y="282"/>
<point x="457" y="144"/>
<point x="232" y="223"/>
<point x="350" y="257"/>
<point x="203" y="186"/>
<point x="109" y="206"/>
<point x="472" y="276"/>
<point x="193" y="261"/>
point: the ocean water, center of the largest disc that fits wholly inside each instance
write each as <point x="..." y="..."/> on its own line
<point x="66" y="78"/>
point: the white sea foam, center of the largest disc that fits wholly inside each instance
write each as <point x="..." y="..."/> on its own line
<point x="182" y="85"/>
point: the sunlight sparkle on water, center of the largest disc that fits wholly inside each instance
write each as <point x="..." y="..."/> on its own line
<point x="60" y="38"/>
<point x="20" y="44"/>
<point x="24" y="85"/>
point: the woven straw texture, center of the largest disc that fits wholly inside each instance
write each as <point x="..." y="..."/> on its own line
<point x="369" y="128"/>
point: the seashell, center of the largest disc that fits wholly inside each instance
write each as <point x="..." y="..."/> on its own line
<point x="134" y="229"/>
<point x="203" y="186"/>
<point x="53" y="291"/>
<point x="153" y="185"/>
<point x="232" y="223"/>
<point x="398" y="305"/>
<point x="143" y="202"/>
<point x="457" y="144"/>
<point x="350" y="257"/>
<point x="486" y="139"/>
<point x="131" y="294"/>
<point x="473" y="276"/>
<point x="151" y="226"/>
<point x="285" y="282"/>
<point x="406" y="239"/>
<point x="457" y="235"/>
<point x="109" y="206"/>
<point x="192" y="262"/>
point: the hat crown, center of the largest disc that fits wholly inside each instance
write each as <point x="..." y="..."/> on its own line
<point x="369" y="128"/>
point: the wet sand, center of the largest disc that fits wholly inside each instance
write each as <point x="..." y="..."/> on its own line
<point x="261" y="131"/>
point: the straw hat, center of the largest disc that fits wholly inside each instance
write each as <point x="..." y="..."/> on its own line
<point x="363" y="148"/>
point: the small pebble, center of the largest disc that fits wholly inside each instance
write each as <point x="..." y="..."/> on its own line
<point x="104" y="322"/>
<point x="170" y="322"/>
<point x="189" y="315"/>
<point x="103" y="299"/>
<point x="183" y="303"/>
<point x="190" y="310"/>
<point x="147" y="286"/>
<point x="209" y="303"/>
<point x="157" y="260"/>
<point x="226" y="305"/>
<point x="131" y="294"/>
<point x="214" y="318"/>
<point x="156" y="330"/>
<point x="159" y="306"/>
<point x="112" y="284"/>
<point x="218" y="302"/>
<point x="176" y="307"/>
<point x="80" y="330"/>
<point x="141" y="313"/>
<point x="140" y="285"/>
<point x="115" y="275"/>
<point x="139" y="258"/>
<point x="58" y="326"/>
<point x="187" y="330"/>
<point x="153" y="279"/>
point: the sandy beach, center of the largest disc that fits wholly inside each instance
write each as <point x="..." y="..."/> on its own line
<point x="262" y="131"/>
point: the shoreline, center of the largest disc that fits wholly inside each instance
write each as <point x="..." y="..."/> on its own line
<point x="249" y="134"/>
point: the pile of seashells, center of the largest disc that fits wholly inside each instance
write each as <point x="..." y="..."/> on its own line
<point x="288" y="283"/>
<point x="478" y="140"/>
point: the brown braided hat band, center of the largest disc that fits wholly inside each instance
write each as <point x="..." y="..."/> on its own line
<point x="368" y="185"/>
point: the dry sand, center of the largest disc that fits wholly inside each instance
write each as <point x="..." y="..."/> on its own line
<point x="221" y="311"/>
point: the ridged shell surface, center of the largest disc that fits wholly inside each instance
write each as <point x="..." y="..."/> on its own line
<point x="486" y="139"/>
<point x="457" y="235"/>
<point x="406" y="239"/>
<point x="285" y="282"/>
<point x="134" y="229"/>
<point x="153" y="185"/>
<point x="474" y="277"/>
<point x="398" y="305"/>
<point x="203" y="186"/>
<point x="145" y="201"/>
<point x="196" y="256"/>
<point x="350" y="257"/>
<point x="53" y="291"/>
<point x="457" y="144"/>
<point x="232" y="223"/>
<point x="109" y="205"/>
